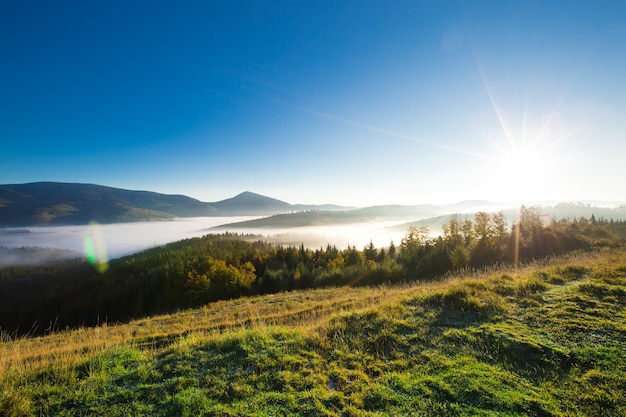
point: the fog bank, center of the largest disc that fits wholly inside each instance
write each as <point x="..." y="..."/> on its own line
<point x="119" y="239"/>
<point x="116" y="240"/>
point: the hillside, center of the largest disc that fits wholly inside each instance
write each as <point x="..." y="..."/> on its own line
<point x="358" y="215"/>
<point x="434" y="217"/>
<point x="301" y="219"/>
<point x="63" y="203"/>
<point x="543" y="340"/>
<point x="44" y="203"/>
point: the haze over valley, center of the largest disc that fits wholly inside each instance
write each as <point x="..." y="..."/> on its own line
<point x="122" y="222"/>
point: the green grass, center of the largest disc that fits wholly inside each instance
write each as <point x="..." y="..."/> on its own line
<point x="544" y="340"/>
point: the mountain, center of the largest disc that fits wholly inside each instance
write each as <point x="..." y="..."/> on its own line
<point x="398" y="212"/>
<point x="318" y="217"/>
<point x="66" y="203"/>
<point x="300" y="219"/>
<point x="434" y="217"/>
<point x="251" y="204"/>
<point x="48" y="203"/>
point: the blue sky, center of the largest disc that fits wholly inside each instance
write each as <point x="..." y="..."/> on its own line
<point x="346" y="102"/>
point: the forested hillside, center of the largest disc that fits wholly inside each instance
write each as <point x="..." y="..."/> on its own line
<point x="195" y="271"/>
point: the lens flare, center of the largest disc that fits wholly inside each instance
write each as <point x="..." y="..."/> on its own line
<point x="95" y="248"/>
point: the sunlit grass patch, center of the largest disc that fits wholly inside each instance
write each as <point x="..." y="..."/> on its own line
<point x="595" y="386"/>
<point x="513" y="345"/>
<point x="467" y="302"/>
<point x="380" y="332"/>
<point x="502" y="284"/>
<point x="274" y="369"/>
<point x="561" y="275"/>
<point x="16" y="400"/>
<point x="492" y="388"/>
<point x="604" y="291"/>
<point x="455" y="385"/>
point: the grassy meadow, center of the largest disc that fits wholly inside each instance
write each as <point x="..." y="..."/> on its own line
<point x="545" y="339"/>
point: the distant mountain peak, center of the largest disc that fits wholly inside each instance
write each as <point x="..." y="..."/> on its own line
<point x="475" y="202"/>
<point x="248" y="202"/>
<point x="251" y="195"/>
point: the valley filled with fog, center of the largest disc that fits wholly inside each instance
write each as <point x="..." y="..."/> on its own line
<point x="120" y="239"/>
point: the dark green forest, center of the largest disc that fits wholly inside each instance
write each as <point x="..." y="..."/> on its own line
<point x="188" y="273"/>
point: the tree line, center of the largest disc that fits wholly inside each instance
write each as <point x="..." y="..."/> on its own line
<point x="196" y="271"/>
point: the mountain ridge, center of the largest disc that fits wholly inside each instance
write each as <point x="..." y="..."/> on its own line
<point x="60" y="203"/>
<point x="77" y="203"/>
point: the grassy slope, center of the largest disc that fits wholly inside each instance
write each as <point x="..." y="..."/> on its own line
<point x="547" y="339"/>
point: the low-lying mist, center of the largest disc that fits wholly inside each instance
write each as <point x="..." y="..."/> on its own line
<point x="117" y="240"/>
<point x="30" y="255"/>
<point x="380" y="233"/>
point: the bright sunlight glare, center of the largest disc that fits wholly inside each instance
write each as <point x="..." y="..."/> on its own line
<point x="522" y="173"/>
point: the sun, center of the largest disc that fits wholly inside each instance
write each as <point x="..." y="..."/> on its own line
<point x="522" y="173"/>
<point x="521" y="165"/>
